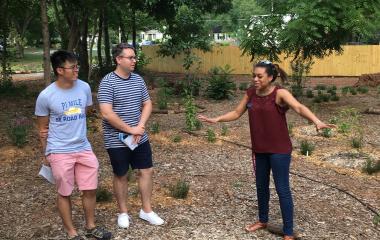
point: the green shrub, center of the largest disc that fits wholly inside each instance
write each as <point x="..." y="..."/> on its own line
<point x="180" y="189"/>
<point x="320" y="92"/>
<point x="356" y="142"/>
<point x="176" y="138"/>
<point x="224" y="130"/>
<point x="309" y="93"/>
<point x="243" y="86"/>
<point x="220" y="85"/>
<point x="211" y="137"/>
<point x="325" y="97"/>
<point x="103" y="195"/>
<point x="345" y="90"/>
<point x="191" y="84"/>
<point x="370" y="166"/>
<point x="320" y="87"/>
<point x="192" y="123"/>
<point x="164" y="96"/>
<point x="327" y="132"/>
<point x="362" y="89"/>
<point x="155" y="127"/>
<point x="317" y="99"/>
<point x="307" y="148"/>
<point x="332" y="88"/>
<point x="297" y="91"/>
<point x="18" y="131"/>
<point x="344" y="127"/>
<point x="353" y="91"/>
<point x="334" y="98"/>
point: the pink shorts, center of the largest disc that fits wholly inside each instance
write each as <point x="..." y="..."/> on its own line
<point x="81" y="166"/>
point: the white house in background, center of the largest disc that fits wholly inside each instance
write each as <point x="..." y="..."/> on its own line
<point x="221" y="37"/>
<point x="151" y="35"/>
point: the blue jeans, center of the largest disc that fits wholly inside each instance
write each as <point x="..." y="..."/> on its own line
<point x="279" y="163"/>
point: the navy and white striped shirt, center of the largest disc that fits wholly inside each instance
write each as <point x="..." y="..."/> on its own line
<point x="127" y="97"/>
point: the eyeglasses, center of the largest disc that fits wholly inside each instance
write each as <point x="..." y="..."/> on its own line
<point x="130" y="58"/>
<point x="265" y="62"/>
<point x="73" y="67"/>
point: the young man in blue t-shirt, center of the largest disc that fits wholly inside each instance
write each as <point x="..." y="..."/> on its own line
<point x="61" y="117"/>
<point x="126" y="106"/>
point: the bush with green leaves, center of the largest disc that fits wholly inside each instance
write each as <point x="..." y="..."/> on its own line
<point x="353" y="91"/>
<point x="309" y="93"/>
<point x="376" y="219"/>
<point x="363" y="89"/>
<point x="344" y="127"/>
<point x="320" y="87"/>
<point x="317" y="99"/>
<point x="192" y="123"/>
<point x="371" y="166"/>
<point x="220" y="85"/>
<point x="211" y="137"/>
<point x="345" y="90"/>
<point x="180" y="189"/>
<point x="325" y="97"/>
<point x="243" y="86"/>
<point x="192" y="83"/>
<point x="307" y="148"/>
<point x="155" y="127"/>
<point x="334" y="98"/>
<point x="103" y="195"/>
<point x="297" y="91"/>
<point x="18" y="131"/>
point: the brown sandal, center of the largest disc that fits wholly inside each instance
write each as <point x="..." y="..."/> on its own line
<point x="256" y="226"/>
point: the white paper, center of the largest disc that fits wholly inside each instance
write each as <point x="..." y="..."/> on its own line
<point x="129" y="141"/>
<point x="47" y="173"/>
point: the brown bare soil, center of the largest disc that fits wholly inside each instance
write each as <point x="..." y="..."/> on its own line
<point x="222" y="198"/>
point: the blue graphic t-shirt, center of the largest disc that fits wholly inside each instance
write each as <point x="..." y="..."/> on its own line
<point x="66" y="109"/>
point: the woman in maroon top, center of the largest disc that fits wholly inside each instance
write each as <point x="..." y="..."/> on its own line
<point x="271" y="146"/>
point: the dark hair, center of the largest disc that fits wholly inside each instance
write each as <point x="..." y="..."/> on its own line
<point x="273" y="70"/>
<point x="58" y="58"/>
<point x="118" y="49"/>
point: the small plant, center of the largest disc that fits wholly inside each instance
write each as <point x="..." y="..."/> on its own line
<point x="320" y="87"/>
<point x="333" y="120"/>
<point x="176" y="138"/>
<point x="192" y="123"/>
<point x="317" y="99"/>
<point x="309" y="93"/>
<point x="370" y="166"/>
<point x="325" y="97"/>
<point x="307" y="148"/>
<point x="103" y="195"/>
<point x="220" y="85"/>
<point x="155" y="128"/>
<point x="211" y="137"/>
<point x="376" y="219"/>
<point x="180" y="189"/>
<point x="353" y="91"/>
<point x="332" y="88"/>
<point x="164" y="95"/>
<point x="224" y="130"/>
<point x="356" y="142"/>
<point x="327" y="132"/>
<point x="362" y="89"/>
<point x="344" y="128"/>
<point x="334" y="98"/>
<point x="345" y="90"/>
<point x="18" y="131"/>
<point x="243" y="86"/>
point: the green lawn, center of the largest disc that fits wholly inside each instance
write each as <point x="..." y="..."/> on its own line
<point x="31" y="62"/>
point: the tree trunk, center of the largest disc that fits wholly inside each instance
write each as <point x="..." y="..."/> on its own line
<point x="124" y="37"/>
<point x="60" y="27"/>
<point x="106" y="38"/>
<point x="46" y="42"/>
<point x="99" y="44"/>
<point x="83" y="52"/>
<point x="134" y="28"/>
<point x="91" y="46"/>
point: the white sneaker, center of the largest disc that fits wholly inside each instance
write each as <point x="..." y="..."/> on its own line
<point x="123" y="220"/>
<point x="151" y="217"/>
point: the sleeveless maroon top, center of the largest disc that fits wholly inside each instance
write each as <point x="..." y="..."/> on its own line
<point x="267" y="123"/>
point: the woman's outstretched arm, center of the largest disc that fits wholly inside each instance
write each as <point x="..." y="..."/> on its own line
<point x="230" y="116"/>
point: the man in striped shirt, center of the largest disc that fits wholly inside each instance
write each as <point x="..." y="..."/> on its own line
<point x="125" y="106"/>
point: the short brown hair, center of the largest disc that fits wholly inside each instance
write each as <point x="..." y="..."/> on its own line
<point x="118" y="49"/>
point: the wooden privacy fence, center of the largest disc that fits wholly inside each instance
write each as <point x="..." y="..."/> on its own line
<point x="354" y="61"/>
